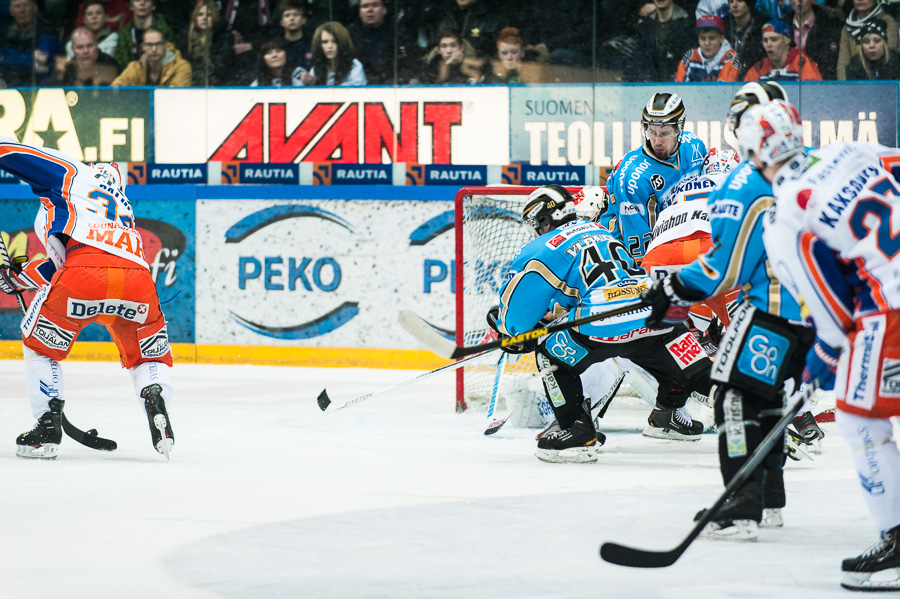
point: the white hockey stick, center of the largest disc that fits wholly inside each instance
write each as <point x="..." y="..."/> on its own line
<point x="324" y="401"/>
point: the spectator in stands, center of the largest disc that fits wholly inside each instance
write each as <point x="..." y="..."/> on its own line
<point x="743" y="30"/>
<point x="176" y="13"/>
<point x="864" y="11"/>
<point x="207" y="46"/>
<point x="333" y="61"/>
<point x="293" y="17"/>
<point x="323" y="11"/>
<point x="118" y="12"/>
<point x="782" y="62"/>
<point x="817" y="32"/>
<point x="476" y="22"/>
<point x="245" y="21"/>
<point x="875" y="60"/>
<point x="716" y="8"/>
<point x="89" y="67"/>
<point x="662" y="39"/>
<point x="774" y="9"/>
<point x="377" y="40"/>
<point x="29" y="47"/>
<point x="94" y="18"/>
<point x="713" y="59"/>
<point x="144" y="16"/>
<point x="274" y="67"/>
<point x="510" y="51"/>
<point x="452" y="61"/>
<point x="160" y="66"/>
<point x="569" y="44"/>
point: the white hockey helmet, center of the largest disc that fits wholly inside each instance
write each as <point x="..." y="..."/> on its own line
<point x="110" y="170"/>
<point x="719" y="162"/>
<point x="590" y="202"/>
<point x="772" y="131"/>
<point x="751" y="94"/>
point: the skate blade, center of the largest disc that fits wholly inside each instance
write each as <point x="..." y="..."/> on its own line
<point x="165" y="444"/>
<point x="572" y="455"/>
<point x="884" y="580"/>
<point x="741" y="531"/>
<point x="665" y="433"/>
<point x="47" y="451"/>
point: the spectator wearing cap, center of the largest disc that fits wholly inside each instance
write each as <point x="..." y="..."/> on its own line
<point x="662" y="39"/>
<point x="713" y="59"/>
<point x="817" y="32"/>
<point x="875" y="60"/>
<point x="743" y="30"/>
<point x="864" y="11"/>
<point x="783" y="62"/>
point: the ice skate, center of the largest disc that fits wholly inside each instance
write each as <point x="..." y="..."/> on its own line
<point x="577" y="444"/>
<point x="739" y="519"/>
<point x="806" y="433"/>
<point x="772" y="518"/>
<point x="673" y="424"/>
<point x="877" y="568"/>
<point x="43" y="440"/>
<point x="160" y="426"/>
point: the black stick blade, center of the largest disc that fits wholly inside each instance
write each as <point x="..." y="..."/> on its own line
<point x="494" y="426"/>
<point x="621" y="555"/>
<point x="323" y="400"/>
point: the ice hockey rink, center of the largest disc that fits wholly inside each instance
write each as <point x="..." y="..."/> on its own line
<point x="399" y="497"/>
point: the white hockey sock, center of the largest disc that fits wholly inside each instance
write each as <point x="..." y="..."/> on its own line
<point x="44" y="381"/>
<point x="877" y="463"/>
<point x="153" y="373"/>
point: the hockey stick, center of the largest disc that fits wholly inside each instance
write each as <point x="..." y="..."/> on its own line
<point x="643" y="558"/>
<point x="90" y="438"/>
<point x="324" y="401"/>
<point x="445" y="348"/>
<point x="496" y="425"/>
<point x="495" y="389"/>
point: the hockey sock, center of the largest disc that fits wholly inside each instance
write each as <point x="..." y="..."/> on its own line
<point x="877" y="463"/>
<point x="44" y="381"/>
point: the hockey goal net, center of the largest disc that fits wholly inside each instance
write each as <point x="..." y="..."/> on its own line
<point x="489" y="231"/>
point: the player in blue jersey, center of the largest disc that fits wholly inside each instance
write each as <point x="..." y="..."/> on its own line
<point x="644" y="174"/>
<point x="765" y="343"/>
<point x="575" y="268"/>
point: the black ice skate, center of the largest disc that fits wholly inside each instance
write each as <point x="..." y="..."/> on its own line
<point x="807" y="435"/>
<point x="877" y="568"/>
<point x="673" y="424"/>
<point x="159" y="419"/>
<point x="739" y="518"/>
<point x="576" y="444"/>
<point x="43" y="440"/>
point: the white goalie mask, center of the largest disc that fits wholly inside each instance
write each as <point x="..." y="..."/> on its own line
<point x="590" y="202"/>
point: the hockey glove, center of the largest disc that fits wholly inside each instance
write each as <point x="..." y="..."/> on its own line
<point x="669" y="302"/>
<point x="821" y="363"/>
<point x="10" y="280"/>
<point x="710" y="339"/>
<point x="493" y="316"/>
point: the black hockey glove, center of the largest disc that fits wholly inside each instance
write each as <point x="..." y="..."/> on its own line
<point x="493" y="316"/>
<point x="669" y="302"/>
<point x="710" y="339"/>
<point x="10" y="282"/>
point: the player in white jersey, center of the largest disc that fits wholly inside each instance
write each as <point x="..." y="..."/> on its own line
<point x="833" y="232"/>
<point x="96" y="272"/>
<point x="682" y="234"/>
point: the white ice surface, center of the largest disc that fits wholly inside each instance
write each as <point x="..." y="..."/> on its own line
<point x="267" y="497"/>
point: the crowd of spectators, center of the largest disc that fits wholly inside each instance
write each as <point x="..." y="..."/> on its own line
<point x="386" y="42"/>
